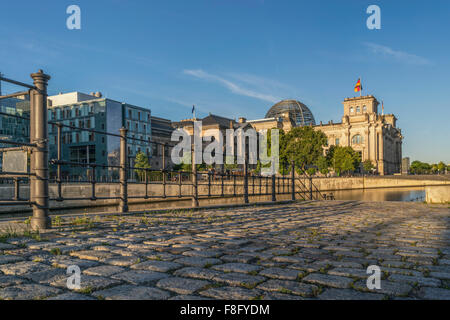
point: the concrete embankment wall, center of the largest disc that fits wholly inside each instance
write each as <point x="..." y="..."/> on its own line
<point x="352" y="183"/>
<point x="439" y="194"/>
<point x="155" y="192"/>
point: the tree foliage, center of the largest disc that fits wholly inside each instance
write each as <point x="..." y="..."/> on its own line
<point x="345" y="159"/>
<point x="142" y="162"/>
<point x="303" y="145"/>
<point x="418" y="167"/>
<point x="368" y="165"/>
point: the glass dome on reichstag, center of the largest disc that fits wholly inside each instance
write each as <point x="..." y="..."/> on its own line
<point x="298" y="112"/>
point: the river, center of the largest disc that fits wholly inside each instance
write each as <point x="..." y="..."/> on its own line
<point x="383" y="194"/>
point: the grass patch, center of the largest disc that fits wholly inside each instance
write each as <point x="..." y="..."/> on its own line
<point x="56" y="251"/>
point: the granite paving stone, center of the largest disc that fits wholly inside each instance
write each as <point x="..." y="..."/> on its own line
<point x="303" y="250"/>
<point x="140" y="277"/>
<point x="182" y="285"/>
<point x="289" y="287"/>
<point x="328" y="280"/>
<point x="130" y="292"/>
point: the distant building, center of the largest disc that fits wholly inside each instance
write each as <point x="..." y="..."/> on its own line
<point x="161" y="133"/>
<point x="212" y="121"/>
<point x="92" y="111"/>
<point x="406" y="165"/>
<point x="375" y="136"/>
<point x="17" y="126"/>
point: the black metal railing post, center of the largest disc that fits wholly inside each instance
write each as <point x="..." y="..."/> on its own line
<point x="180" y="177"/>
<point x="293" y="180"/>
<point x="93" y="181"/>
<point x="164" y="170"/>
<point x="223" y="177"/>
<point x="146" y="183"/>
<point x="245" y="180"/>
<point x="194" y="179"/>
<point x="39" y="135"/>
<point x="274" y="198"/>
<point x="123" y="205"/>
<point x="58" y="167"/>
<point x="16" y="188"/>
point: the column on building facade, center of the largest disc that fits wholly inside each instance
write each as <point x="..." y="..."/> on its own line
<point x="375" y="145"/>
<point x="347" y="137"/>
<point x="381" y="150"/>
<point x="367" y="145"/>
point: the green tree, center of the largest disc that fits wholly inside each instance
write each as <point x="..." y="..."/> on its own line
<point x="323" y="164"/>
<point x="345" y="159"/>
<point x="418" y="167"/>
<point x="441" y="167"/>
<point x="303" y="145"/>
<point x="142" y="162"/>
<point x="368" y="165"/>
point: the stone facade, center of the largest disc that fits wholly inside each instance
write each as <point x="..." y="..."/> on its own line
<point x="375" y="136"/>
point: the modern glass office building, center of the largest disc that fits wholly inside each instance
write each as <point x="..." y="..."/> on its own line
<point x="92" y="111"/>
<point x="14" y="121"/>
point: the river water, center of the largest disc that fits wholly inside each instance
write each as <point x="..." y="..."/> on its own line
<point x="383" y="194"/>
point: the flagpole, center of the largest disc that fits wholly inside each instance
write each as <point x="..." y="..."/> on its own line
<point x="360" y="87"/>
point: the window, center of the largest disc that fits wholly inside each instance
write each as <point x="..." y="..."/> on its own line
<point x="130" y="114"/>
<point x="351" y="109"/>
<point x="357" y="139"/>
<point x="364" y="109"/>
<point x="358" y="109"/>
<point x="337" y="141"/>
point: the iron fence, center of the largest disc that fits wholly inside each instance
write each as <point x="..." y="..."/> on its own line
<point x="164" y="183"/>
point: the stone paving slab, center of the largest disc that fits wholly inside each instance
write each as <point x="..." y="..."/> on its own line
<point x="311" y="250"/>
<point x="182" y="285"/>
<point x="28" y="292"/>
<point x="130" y="292"/>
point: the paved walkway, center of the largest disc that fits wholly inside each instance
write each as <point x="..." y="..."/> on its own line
<point x="309" y="250"/>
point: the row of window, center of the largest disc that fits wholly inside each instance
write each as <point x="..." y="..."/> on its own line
<point x="137" y="127"/>
<point x="358" y="109"/>
<point x="138" y="115"/>
<point x="70" y="112"/>
<point x="76" y="137"/>
<point x="356" y="139"/>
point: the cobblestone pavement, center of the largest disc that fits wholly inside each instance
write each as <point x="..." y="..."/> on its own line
<point x="309" y="250"/>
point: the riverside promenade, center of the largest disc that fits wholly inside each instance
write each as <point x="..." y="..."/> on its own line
<point x="302" y="250"/>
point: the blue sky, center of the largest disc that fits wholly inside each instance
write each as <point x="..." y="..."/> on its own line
<point x="238" y="57"/>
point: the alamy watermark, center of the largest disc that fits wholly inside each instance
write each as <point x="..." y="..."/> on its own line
<point x="74" y="279"/>
<point x="374" y="280"/>
<point x="374" y="20"/>
<point x="238" y="147"/>
<point x="73" y="22"/>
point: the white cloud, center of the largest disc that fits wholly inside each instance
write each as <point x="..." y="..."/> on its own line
<point x="232" y="86"/>
<point x="401" y="56"/>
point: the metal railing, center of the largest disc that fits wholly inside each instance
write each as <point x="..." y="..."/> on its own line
<point x="38" y="147"/>
<point x="164" y="183"/>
